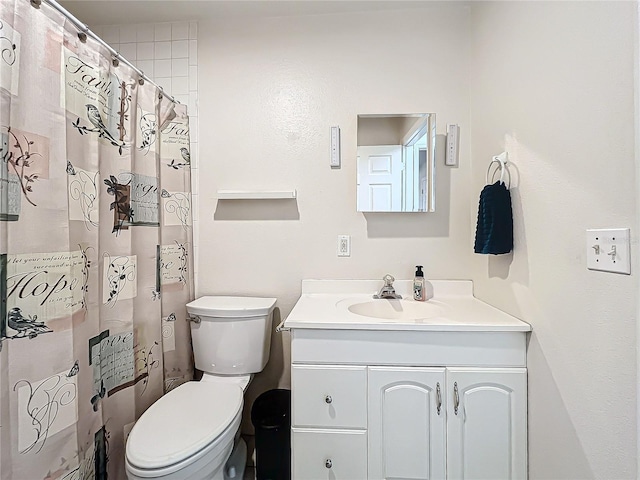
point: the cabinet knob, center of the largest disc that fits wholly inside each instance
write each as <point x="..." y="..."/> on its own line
<point x="328" y="399"/>
<point x="328" y="463"/>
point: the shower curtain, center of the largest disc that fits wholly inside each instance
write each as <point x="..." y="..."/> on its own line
<point x="95" y="249"/>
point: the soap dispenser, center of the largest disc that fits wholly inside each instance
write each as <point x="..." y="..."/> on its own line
<point x="418" y="285"/>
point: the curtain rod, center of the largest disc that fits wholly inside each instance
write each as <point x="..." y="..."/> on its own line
<point x="86" y="32"/>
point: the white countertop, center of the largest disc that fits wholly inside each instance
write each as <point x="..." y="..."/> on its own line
<point x="324" y="304"/>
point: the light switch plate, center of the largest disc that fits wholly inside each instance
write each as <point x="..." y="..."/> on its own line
<point x="453" y="142"/>
<point x="335" y="147"/>
<point x="609" y="250"/>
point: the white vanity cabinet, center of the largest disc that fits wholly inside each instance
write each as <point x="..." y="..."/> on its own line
<point x="421" y="405"/>
<point x="445" y="399"/>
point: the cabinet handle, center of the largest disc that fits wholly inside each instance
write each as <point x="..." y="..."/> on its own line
<point x="328" y="463"/>
<point x="456" y="398"/>
<point x="328" y="399"/>
<point x="438" y="397"/>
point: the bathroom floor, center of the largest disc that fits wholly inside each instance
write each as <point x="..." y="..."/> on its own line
<point x="249" y="473"/>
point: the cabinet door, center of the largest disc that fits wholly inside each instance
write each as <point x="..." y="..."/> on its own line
<point x="406" y="423"/>
<point x="329" y="454"/>
<point x="486" y="423"/>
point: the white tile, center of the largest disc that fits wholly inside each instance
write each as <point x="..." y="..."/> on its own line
<point x="180" y="31"/>
<point x="183" y="99"/>
<point x="180" y="49"/>
<point x="98" y="30"/>
<point x="162" y="68"/>
<point x="193" y="146"/>
<point x="165" y="83"/>
<point x="128" y="51"/>
<point x="193" y="78"/>
<point x="162" y="50"/>
<point x="195" y="204"/>
<point x="179" y="67"/>
<point x="193" y="52"/>
<point x="128" y="33"/>
<point x="193" y="30"/>
<point x="111" y="34"/>
<point x="180" y="85"/>
<point x="145" y="51"/>
<point x="147" y="67"/>
<point x="146" y="32"/>
<point x="194" y="184"/>
<point x="162" y="32"/>
<point x="193" y="126"/>
<point x="193" y="102"/>
<point x="193" y="132"/>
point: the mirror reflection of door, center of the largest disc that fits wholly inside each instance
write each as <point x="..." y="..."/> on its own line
<point x="395" y="164"/>
<point x="380" y="171"/>
<point x="415" y="182"/>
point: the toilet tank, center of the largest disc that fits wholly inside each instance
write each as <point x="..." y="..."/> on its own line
<point x="231" y="335"/>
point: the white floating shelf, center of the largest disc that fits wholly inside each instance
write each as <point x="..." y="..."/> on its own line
<point x="256" y="194"/>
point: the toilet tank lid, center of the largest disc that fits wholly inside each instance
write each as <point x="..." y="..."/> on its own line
<point x="223" y="306"/>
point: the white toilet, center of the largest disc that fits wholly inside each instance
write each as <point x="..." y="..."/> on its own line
<point x="193" y="432"/>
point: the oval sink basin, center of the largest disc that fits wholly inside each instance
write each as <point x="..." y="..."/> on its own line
<point x="397" y="309"/>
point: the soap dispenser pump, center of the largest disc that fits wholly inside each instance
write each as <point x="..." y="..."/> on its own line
<point x="418" y="285"/>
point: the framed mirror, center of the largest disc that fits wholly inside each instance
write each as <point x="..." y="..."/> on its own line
<point x="396" y="166"/>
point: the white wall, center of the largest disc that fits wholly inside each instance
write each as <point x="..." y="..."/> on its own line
<point x="269" y="91"/>
<point x="553" y="85"/>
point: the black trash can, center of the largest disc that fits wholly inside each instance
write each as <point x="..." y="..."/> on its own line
<point x="271" y="418"/>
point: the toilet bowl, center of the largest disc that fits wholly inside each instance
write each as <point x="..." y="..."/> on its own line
<point x="193" y="431"/>
<point x="188" y="433"/>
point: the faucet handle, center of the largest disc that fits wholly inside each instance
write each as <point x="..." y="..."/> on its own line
<point x="388" y="280"/>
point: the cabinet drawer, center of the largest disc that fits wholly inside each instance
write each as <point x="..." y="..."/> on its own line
<point x="329" y="454"/>
<point x="328" y="396"/>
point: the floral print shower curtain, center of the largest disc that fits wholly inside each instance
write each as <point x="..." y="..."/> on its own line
<point x="95" y="249"/>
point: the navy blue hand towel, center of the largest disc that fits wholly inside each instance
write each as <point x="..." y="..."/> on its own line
<point x="494" y="232"/>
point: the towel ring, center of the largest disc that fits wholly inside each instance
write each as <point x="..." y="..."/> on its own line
<point x="501" y="160"/>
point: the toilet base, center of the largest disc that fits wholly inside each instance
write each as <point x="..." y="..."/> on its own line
<point x="235" y="466"/>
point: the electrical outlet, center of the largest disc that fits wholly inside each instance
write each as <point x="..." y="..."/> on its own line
<point x="344" y="246"/>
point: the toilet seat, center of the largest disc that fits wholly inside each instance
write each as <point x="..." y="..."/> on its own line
<point x="183" y="426"/>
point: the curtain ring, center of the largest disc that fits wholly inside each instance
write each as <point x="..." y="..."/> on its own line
<point x="83" y="37"/>
<point x="36" y="3"/>
<point x="141" y="80"/>
<point x="115" y="61"/>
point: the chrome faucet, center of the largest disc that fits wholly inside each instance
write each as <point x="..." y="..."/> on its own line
<point x="387" y="290"/>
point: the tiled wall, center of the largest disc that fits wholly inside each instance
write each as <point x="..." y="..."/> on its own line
<point x="168" y="54"/>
